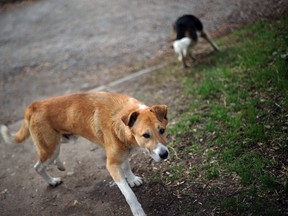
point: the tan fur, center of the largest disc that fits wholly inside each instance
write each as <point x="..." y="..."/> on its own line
<point x="117" y="122"/>
<point x="94" y="116"/>
<point x="22" y="134"/>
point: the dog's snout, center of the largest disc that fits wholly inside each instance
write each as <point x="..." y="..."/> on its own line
<point x="163" y="154"/>
<point x="160" y="153"/>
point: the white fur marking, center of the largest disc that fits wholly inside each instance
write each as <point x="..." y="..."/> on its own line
<point x="41" y="169"/>
<point x="181" y="47"/>
<point x="142" y="106"/>
<point x="132" y="179"/>
<point x="131" y="199"/>
<point x="156" y="152"/>
<point x="6" y="135"/>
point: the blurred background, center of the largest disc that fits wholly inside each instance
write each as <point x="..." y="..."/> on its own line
<point x="52" y="47"/>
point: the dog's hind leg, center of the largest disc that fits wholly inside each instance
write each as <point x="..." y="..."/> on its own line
<point x="46" y="140"/>
<point x="206" y="36"/>
<point x="59" y="164"/>
<point x="41" y="167"/>
<point x="183" y="58"/>
<point x="190" y="53"/>
<point x="132" y="179"/>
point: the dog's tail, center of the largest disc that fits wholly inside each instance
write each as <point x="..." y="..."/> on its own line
<point x="20" y="136"/>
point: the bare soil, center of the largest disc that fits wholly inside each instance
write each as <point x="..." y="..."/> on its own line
<point x="56" y="47"/>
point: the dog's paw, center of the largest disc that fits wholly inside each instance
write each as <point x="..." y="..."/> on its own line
<point x="138" y="212"/>
<point x="61" y="167"/>
<point x="135" y="181"/>
<point x="55" y="182"/>
<point x="59" y="164"/>
<point x="217" y="49"/>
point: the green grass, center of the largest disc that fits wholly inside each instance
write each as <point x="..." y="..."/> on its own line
<point x="235" y="127"/>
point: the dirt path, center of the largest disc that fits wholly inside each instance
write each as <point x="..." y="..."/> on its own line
<point x="55" y="47"/>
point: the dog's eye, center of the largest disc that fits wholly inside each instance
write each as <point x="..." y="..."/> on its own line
<point x="146" y="135"/>
<point x="162" y="131"/>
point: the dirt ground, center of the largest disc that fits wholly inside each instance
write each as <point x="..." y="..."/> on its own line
<point x="56" y="47"/>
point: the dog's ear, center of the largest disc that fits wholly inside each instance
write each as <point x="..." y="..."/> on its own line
<point x="130" y="118"/>
<point x="160" y="111"/>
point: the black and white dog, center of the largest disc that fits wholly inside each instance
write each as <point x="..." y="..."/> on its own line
<point x="188" y="28"/>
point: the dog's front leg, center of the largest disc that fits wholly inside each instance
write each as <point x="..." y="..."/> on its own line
<point x="132" y="179"/>
<point x="206" y="36"/>
<point x="191" y="55"/>
<point x="117" y="174"/>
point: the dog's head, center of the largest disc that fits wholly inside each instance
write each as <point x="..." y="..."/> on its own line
<point x="148" y="126"/>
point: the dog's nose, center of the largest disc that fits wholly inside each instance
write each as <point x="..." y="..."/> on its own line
<point x="163" y="154"/>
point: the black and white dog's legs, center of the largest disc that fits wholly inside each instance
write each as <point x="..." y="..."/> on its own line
<point x="183" y="59"/>
<point x="206" y="36"/>
<point x="191" y="55"/>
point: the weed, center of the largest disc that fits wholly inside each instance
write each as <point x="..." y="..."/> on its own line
<point x="235" y="126"/>
<point x="230" y="120"/>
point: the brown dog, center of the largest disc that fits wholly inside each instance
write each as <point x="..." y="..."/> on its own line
<point x="117" y="122"/>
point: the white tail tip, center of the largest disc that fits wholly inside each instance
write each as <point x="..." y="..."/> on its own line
<point x="6" y="135"/>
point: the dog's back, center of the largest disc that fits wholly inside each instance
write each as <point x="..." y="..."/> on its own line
<point x="188" y="26"/>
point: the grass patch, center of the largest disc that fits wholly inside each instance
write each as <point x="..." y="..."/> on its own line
<point x="233" y="138"/>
